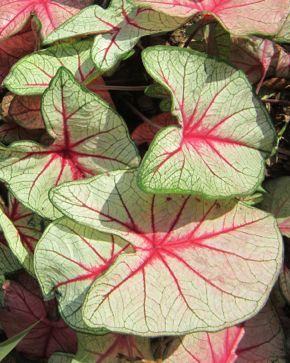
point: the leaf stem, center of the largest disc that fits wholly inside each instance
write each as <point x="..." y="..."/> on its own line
<point x="143" y="117"/>
<point x="119" y="88"/>
<point x="199" y="24"/>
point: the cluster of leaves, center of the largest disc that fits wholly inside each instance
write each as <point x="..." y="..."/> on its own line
<point x="112" y="254"/>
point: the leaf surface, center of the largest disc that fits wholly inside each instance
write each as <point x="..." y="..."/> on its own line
<point x="277" y="202"/>
<point x="61" y="358"/>
<point x="117" y="30"/>
<point x="8" y="345"/>
<point x="263" y="340"/>
<point x="284" y="281"/>
<point x="16" y="13"/>
<point x="217" y="347"/>
<point x="68" y="259"/>
<point x="145" y="132"/>
<point x="238" y="16"/>
<point x="194" y="267"/>
<point x="26" y="112"/>
<point x="14" y="48"/>
<point x="23" y="307"/>
<point x="11" y="131"/>
<point x="33" y="73"/>
<point x="257" y="57"/>
<point x="217" y="151"/>
<point x="8" y="262"/>
<point x="89" y="138"/>
<point x="112" y="348"/>
<point x="284" y="34"/>
<point x="22" y="230"/>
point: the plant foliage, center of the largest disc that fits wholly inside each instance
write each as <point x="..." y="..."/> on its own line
<point x="134" y="234"/>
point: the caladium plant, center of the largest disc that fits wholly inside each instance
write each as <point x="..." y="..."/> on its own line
<point x="21" y="229"/>
<point x="176" y="239"/>
<point x="152" y="249"/>
<point x="51" y="13"/>
<point x="203" y="155"/>
<point x="118" y="30"/>
<point x="238" y="16"/>
<point x="89" y="138"/>
<point x="23" y="306"/>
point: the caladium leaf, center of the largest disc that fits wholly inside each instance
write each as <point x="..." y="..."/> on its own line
<point x="23" y="307"/>
<point x="8" y="262"/>
<point x="61" y="358"/>
<point x="284" y="34"/>
<point x="11" y="131"/>
<point x="258" y="58"/>
<point x="16" y="13"/>
<point x="145" y="132"/>
<point x="217" y="347"/>
<point x="284" y="281"/>
<point x="238" y="16"/>
<point x="113" y="348"/>
<point x="117" y="29"/>
<point x="68" y="259"/>
<point x="89" y="138"/>
<point x="217" y="151"/>
<point x="187" y="251"/>
<point x="33" y="73"/>
<point x="26" y="112"/>
<point x="263" y="340"/>
<point x="14" y="48"/>
<point x="277" y="202"/>
<point x="22" y="229"/>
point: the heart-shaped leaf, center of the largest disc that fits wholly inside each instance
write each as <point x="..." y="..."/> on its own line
<point x="22" y="229"/>
<point x="198" y="265"/>
<point x="33" y="73"/>
<point x="277" y="202"/>
<point x="89" y="138"/>
<point x="217" y="151"/>
<point x="217" y="347"/>
<point x="118" y="29"/>
<point x="145" y="132"/>
<point x="263" y="340"/>
<point x="68" y="259"/>
<point x="14" y="48"/>
<point x="112" y="348"/>
<point x="16" y="13"/>
<point x="238" y="16"/>
<point x="23" y="305"/>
